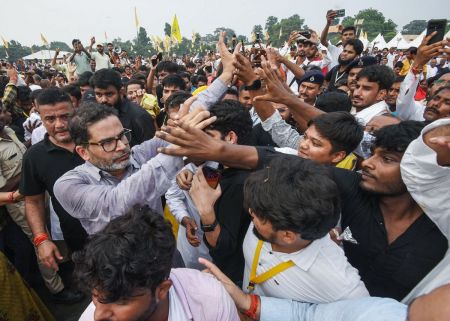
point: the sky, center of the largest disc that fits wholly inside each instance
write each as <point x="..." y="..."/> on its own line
<point x="24" y="20"/>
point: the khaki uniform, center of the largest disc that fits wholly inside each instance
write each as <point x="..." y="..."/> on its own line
<point x="11" y="154"/>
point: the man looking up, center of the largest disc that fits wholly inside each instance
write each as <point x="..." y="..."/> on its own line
<point x="352" y="49"/>
<point x="127" y="270"/>
<point x="108" y="90"/>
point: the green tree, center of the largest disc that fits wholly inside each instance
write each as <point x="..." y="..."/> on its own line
<point x="167" y="29"/>
<point x="230" y="32"/>
<point x="270" y="23"/>
<point x="286" y="26"/>
<point x="142" y="44"/>
<point x="258" y="29"/>
<point x="415" y="27"/>
<point x="374" y="23"/>
<point x="15" y="51"/>
<point x="61" y="45"/>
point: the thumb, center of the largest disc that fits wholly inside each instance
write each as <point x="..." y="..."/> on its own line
<point x="265" y="97"/>
<point x="57" y="254"/>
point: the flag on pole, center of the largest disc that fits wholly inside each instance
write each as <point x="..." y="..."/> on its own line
<point x="266" y="35"/>
<point x="136" y="19"/>
<point x="44" y="40"/>
<point x="166" y="43"/>
<point x="281" y="32"/>
<point x="5" y="43"/>
<point x="175" y="30"/>
<point x="253" y="37"/>
<point x="106" y="37"/>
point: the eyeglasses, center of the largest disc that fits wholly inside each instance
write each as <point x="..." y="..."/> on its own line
<point x="110" y="144"/>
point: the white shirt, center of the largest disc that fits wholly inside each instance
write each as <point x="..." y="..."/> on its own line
<point x="333" y="54"/>
<point x="406" y="106"/>
<point x="34" y="117"/>
<point x="321" y="273"/>
<point x="365" y="115"/>
<point x="428" y="184"/>
<point x="176" y="310"/>
<point x="102" y="61"/>
<point x="38" y="134"/>
<point x="181" y="205"/>
<point x="390" y="58"/>
<point x="431" y="71"/>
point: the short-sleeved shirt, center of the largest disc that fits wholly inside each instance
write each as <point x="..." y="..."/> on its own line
<point x="82" y="62"/>
<point x="388" y="270"/>
<point x="102" y="61"/>
<point x="11" y="154"/>
<point x="43" y="164"/>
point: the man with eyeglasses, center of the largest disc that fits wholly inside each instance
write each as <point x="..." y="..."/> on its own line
<point x="115" y="177"/>
<point x="42" y="165"/>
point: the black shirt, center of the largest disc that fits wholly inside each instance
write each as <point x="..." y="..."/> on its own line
<point x="388" y="270"/>
<point x="140" y="122"/>
<point x="234" y="221"/>
<point x="42" y="165"/>
<point x="333" y="76"/>
<point x="260" y="137"/>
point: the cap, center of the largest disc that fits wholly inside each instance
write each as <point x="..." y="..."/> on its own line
<point x="99" y="45"/>
<point x="362" y="62"/>
<point x="313" y="76"/>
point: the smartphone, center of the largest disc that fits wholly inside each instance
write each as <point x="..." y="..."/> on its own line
<point x="340" y="13"/>
<point x="305" y="34"/>
<point x="212" y="176"/>
<point x="439" y="26"/>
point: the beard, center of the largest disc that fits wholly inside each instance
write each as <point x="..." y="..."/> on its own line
<point x="343" y="62"/>
<point x="260" y="237"/>
<point x="111" y="165"/>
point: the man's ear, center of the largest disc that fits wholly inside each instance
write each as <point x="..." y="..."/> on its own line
<point x="338" y="156"/>
<point x="288" y="237"/>
<point x="83" y="152"/>
<point x="231" y="137"/>
<point x="381" y="95"/>
<point x="162" y="291"/>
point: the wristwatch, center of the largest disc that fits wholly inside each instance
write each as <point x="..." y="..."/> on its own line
<point x="256" y="85"/>
<point x="209" y="227"/>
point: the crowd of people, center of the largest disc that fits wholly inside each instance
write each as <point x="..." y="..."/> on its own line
<point x="310" y="181"/>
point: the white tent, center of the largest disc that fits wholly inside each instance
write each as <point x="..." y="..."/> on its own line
<point x="45" y="55"/>
<point x="416" y="42"/>
<point x="378" y="42"/>
<point x="394" y="42"/>
<point x="364" y="40"/>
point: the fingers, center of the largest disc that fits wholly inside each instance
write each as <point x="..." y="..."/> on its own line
<point x="186" y="106"/>
<point x="427" y="38"/>
<point x="237" y="48"/>
<point x="214" y="270"/>
<point x="443" y="141"/>
<point x="265" y="97"/>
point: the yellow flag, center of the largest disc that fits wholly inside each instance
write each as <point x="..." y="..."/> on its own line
<point x="166" y="43"/>
<point x="253" y="37"/>
<point x="175" y="31"/>
<point x="266" y="35"/>
<point x="5" y="43"/>
<point x="281" y="32"/>
<point x="136" y="19"/>
<point x="44" y="40"/>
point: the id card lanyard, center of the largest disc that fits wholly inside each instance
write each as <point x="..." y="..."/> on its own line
<point x="257" y="279"/>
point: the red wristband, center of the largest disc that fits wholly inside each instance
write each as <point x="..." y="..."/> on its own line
<point x="251" y="312"/>
<point x="11" y="197"/>
<point x="40" y="238"/>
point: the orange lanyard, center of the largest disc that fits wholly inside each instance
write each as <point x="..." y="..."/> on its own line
<point x="257" y="279"/>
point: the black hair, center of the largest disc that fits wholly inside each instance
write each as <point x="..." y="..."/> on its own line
<point x="334" y="101"/>
<point x="294" y="194"/>
<point x="89" y="113"/>
<point x="177" y="98"/>
<point x="35" y="94"/>
<point x="190" y="64"/>
<point x="135" y="81"/>
<point x="397" y="137"/>
<point x="174" y="81"/>
<point x="195" y="79"/>
<point x="399" y="79"/>
<point x="84" y="79"/>
<point x="398" y="64"/>
<point x="73" y="90"/>
<point x="74" y="41"/>
<point x="348" y="28"/>
<point x="23" y="93"/>
<point x="139" y="76"/>
<point x="382" y="75"/>
<point x="132" y="252"/>
<point x="184" y="74"/>
<point x="412" y="50"/>
<point x="109" y="43"/>
<point x="52" y="96"/>
<point x="232" y="91"/>
<point x="341" y="128"/>
<point x="357" y="45"/>
<point x="105" y="78"/>
<point x="167" y="66"/>
<point x="232" y="116"/>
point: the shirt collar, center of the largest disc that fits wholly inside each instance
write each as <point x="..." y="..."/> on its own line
<point x="52" y="147"/>
<point x="98" y="174"/>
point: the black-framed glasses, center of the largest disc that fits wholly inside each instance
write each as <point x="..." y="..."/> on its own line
<point x="110" y="144"/>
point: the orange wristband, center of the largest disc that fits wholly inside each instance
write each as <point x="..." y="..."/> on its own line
<point x="251" y="312"/>
<point x="40" y="238"/>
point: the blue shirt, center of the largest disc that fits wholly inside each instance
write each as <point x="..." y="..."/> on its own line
<point x="365" y="309"/>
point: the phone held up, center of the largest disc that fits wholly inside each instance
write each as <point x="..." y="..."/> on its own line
<point x="212" y="176"/>
<point x="340" y="13"/>
<point x="439" y="26"/>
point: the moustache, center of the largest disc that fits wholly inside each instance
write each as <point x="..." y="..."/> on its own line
<point x="432" y="109"/>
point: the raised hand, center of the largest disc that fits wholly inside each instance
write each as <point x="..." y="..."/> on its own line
<point x="244" y="70"/>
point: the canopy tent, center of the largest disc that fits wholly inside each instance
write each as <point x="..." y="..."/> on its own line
<point x="364" y="40"/>
<point x="45" y="55"/>
<point x="378" y="42"/>
<point x="396" y="41"/>
<point x="416" y="42"/>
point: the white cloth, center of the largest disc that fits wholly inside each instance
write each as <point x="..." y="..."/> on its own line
<point x="181" y="205"/>
<point x="333" y="54"/>
<point x="176" y="310"/>
<point x="321" y="273"/>
<point x="431" y="71"/>
<point x="428" y="184"/>
<point x="38" y="134"/>
<point x="390" y="58"/>
<point x="102" y="61"/>
<point x="34" y="87"/>
<point x="365" y="115"/>
<point x="34" y="117"/>
<point x="406" y="106"/>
